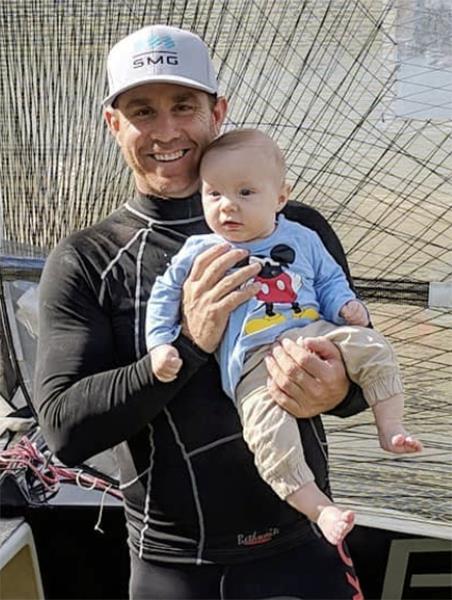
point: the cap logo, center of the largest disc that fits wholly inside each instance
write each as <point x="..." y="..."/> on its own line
<point x="153" y="42"/>
<point x="155" y="50"/>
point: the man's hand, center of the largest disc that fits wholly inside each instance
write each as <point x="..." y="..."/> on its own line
<point x="209" y="295"/>
<point x="308" y="377"/>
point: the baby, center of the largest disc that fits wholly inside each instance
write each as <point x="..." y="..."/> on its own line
<point x="304" y="293"/>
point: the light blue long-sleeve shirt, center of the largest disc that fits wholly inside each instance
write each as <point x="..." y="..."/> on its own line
<point x="300" y="282"/>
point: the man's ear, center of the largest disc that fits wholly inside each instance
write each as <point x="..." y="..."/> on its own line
<point x="219" y="113"/>
<point x="283" y="196"/>
<point x="112" y="119"/>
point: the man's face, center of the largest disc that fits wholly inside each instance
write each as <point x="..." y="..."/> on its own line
<point x="162" y="130"/>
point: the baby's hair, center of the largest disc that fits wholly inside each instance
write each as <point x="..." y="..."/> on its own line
<point x="239" y="138"/>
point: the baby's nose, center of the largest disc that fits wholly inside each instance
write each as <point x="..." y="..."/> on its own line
<point x="228" y="204"/>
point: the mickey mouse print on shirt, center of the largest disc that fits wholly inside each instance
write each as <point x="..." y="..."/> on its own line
<point x="279" y="286"/>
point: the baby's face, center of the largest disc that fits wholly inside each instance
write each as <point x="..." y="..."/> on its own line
<point x="241" y="193"/>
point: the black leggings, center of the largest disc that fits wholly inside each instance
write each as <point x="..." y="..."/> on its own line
<point x="315" y="570"/>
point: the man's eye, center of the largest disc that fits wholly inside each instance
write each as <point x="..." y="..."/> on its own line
<point x="141" y="112"/>
<point x="184" y="108"/>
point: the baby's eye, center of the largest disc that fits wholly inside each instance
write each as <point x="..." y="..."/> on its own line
<point x="245" y="192"/>
<point x="214" y="193"/>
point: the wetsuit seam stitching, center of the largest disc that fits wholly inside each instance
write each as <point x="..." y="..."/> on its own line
<point x="148" y="493"/>
<point x="150" y="221"/>
<point x="207" y="447"/>
<point x="193" y="484"/>
<point x="138" y="293"/>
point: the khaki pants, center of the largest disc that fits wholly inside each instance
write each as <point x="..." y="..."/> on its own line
<point x="272" y="433"/>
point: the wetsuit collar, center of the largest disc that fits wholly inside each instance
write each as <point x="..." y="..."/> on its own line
<point x="166" y="210"/>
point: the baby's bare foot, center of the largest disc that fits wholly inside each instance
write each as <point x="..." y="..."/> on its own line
<point x="335" y="523"/>
<point x="405" y="443"/>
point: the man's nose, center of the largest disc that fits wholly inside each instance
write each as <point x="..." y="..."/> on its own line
<point x="164" y="127"/>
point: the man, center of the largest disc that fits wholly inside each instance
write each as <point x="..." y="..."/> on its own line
<point x="201" y="522"/>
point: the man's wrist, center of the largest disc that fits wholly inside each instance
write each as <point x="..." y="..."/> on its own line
<point x="185" y="345"/>
<point x="351" y="404"/>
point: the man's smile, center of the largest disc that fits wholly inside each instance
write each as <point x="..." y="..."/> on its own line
<point x="168" y="156"/>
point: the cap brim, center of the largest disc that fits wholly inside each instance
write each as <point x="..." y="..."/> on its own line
<point x="175" y="79"/>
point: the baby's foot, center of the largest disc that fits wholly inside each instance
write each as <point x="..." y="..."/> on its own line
<point x="405" y="443"/>
<point x="398" y="441"/>
<point x="335" y="523"/>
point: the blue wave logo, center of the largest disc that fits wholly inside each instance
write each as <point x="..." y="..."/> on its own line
<point x="155" y="42"/>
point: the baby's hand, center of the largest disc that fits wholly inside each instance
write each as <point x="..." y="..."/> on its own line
<point x="355" y="313"/>
<point x="166" y="362"/>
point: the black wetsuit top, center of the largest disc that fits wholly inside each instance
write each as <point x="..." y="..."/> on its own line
<point x="191" y="491"/>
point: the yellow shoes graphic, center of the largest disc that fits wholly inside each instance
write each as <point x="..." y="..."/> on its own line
<point x="261" y="323"/>
<point x="306" y="313"/>
<point x="264" y="322"/>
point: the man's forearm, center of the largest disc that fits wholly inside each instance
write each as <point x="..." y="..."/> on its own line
<point x="82" y="417"/>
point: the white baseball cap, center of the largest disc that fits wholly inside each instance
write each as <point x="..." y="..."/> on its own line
<point x="160" y="54"/>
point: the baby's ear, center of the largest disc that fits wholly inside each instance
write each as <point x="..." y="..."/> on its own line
<point x="284" y="194"/>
